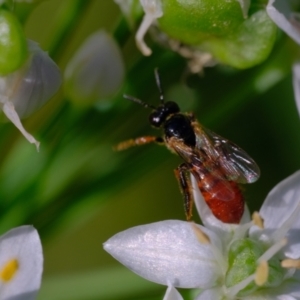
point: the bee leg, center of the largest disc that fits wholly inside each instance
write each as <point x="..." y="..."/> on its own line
<point x="182" y="173"/>
<point x="138" y="142"/>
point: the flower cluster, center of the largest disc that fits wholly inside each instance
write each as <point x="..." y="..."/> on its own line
<point x="27" y="89"/>
<point x="207" y="32"/>
<point x="256" y="259"/>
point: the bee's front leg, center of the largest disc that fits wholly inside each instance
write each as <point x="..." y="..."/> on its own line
<point x="182" y="173"/>
<point x="138" y="142"/>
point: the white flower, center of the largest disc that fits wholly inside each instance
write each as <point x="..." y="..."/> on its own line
<point x="281" y="14"/>
<point x="253" y="260"/>
<point x="96" y="70"/>
<point x="26" y="90"/>
<point x="153" y="11"/>
<point x="21" y="264"/>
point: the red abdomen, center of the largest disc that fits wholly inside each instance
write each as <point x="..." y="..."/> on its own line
<point x="224" y="198"/>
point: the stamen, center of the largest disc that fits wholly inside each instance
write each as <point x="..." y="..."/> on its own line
<point x="10" y="112"/>
<point x="262" y="273"/>
<point x="233" y="291"/>
<point x="281" y="232"/>
<point x="272" y="250"/>
<point x="291" y="263"/>
<point x="258" y="220"/>
<point x="153" y="11"/>
<point x="139" y="38"/>
<point x="204" y="239"/>
<point x="201" y="236"/>
<point x="9" y="270"/>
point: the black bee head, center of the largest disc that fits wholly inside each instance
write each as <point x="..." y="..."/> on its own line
<point x="162" y="112"/>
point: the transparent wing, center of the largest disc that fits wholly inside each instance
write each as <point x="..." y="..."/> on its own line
<point x="237" y="165"/>
<point x="205" y="171"/>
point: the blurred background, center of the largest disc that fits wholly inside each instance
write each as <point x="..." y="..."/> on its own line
<point x="78" y="192"/>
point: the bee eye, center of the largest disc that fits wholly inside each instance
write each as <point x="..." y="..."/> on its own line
<point x="171" y="107"/>
<point x="159" y="116"/>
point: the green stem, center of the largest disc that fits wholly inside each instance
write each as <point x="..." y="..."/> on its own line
<point x="121" y="32"/>
<point x="64" y="26"/>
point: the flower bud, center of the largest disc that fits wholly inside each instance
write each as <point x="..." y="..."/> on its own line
<point x="26" y="90"/>
<point x="242" y="251"/>
<point x="96" y="71"/>
<point x="243" y="260"/>
<point x="220" y="27"/>
<point x="13" y="46"/>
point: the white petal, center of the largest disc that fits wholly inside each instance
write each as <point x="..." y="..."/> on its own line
<point x="31" y="87"/>
<point x="267" y="296"/>
<point x="153" y="11"/>
<point x="296" y="84"/>
<point x="281" y="202"/>
<point x="282" y="16"/>
<point x="208" y="219"/>
<point x="23" y="245"/>
<point x="284" y="297"/>
<point x="11" y="114"/>
<point x="168" y="253"/>
<point x="278" y="208"/>
<point x="96" y="70"/>
<point x="172" y="294"/>
<point x="211" y="294"/>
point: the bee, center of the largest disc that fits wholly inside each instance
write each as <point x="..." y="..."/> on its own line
<point x="218" y="165"/>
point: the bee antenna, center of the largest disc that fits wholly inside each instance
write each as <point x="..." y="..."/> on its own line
<point x="158" y="83"/>
<point x="138" y="101"/>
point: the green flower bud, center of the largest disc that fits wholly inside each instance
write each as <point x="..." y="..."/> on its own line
<point x="276" y="273"/>
<point x="243" y="261"/>
<point x="192" y="22"/>
<point x="249" y="44"/>
<point x="13" y="45"/>
<point x="219" y="27"/>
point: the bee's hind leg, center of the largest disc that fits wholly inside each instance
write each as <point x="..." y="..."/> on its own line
<point x="182" y="173"/>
